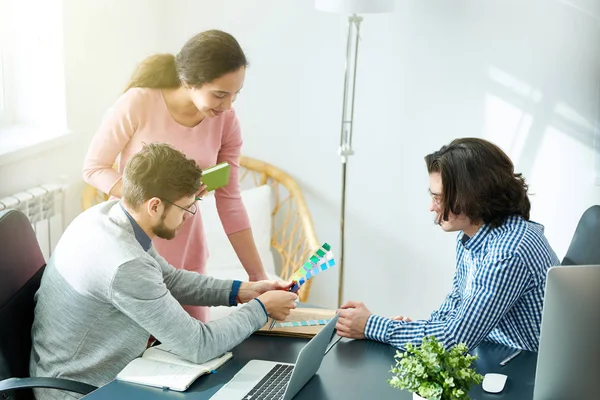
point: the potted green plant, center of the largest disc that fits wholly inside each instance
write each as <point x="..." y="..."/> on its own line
<point x="433" y="373"/>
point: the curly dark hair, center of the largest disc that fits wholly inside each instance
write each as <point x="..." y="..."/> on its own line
<point x="479" y="181"/>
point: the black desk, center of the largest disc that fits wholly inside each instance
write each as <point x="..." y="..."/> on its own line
<point x="351" y="370"/>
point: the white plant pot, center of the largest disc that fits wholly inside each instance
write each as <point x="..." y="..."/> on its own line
<point x="417" y="397"/>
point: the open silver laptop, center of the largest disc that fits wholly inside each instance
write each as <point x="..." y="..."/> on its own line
<point x="262" y="380"/>
<point x="568" y="363"/>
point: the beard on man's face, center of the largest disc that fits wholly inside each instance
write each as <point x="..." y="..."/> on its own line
<point x="163" y="232"/>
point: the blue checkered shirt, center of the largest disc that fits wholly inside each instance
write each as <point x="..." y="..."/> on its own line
<point x="497" y="293"/>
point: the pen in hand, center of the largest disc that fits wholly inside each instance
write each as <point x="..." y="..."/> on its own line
<point x="510" y="357"/>
<point x="291" y="289"/>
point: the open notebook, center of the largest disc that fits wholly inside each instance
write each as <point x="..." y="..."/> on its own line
<point x="160" y="368"/>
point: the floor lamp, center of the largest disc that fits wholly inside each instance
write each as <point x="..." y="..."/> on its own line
<point x="351" y="8"/>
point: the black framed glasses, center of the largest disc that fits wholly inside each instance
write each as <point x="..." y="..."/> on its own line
<point x="192" y="209"/>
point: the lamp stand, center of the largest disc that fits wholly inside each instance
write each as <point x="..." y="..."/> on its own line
<point x="345" y="149"/>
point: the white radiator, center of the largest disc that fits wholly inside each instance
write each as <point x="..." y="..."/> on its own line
<point x="43" y="205"/>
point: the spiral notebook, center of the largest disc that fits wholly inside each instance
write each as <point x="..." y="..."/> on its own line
<point x="159" y="367"/>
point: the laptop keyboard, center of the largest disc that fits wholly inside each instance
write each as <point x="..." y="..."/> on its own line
<point x="272" y="386"/>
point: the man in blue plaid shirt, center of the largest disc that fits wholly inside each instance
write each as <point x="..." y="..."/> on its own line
<point x="501" y="257"/>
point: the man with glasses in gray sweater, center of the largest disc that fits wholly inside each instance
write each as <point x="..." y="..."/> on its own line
<point x="106" y="290"/>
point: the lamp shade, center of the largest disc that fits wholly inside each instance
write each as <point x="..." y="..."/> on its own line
<point x="355" y="6"/>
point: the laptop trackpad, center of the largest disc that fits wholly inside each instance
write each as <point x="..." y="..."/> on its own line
<point x="245" y="380"/>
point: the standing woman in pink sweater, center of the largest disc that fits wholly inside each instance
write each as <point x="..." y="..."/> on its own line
<point x="184" y="100"/>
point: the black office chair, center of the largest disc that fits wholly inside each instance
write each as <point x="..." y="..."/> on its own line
<point x="585" y="245"/>
<point x="21" y="268"/>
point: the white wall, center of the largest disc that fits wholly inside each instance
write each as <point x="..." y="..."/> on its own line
<point x="524" y="74"/>
<point x="102" y="43"/>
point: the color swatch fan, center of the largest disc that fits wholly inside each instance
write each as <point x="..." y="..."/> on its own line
<point x="319" y="262"/>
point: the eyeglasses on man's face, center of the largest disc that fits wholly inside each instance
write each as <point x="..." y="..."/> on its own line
<point x="436" y="198"/>
<point x="191" y="209"/>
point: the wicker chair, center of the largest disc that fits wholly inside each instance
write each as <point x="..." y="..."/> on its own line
<point x="294" y="238"/>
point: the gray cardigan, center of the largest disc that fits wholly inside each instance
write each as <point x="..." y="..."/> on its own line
<point x="102" y="295"/>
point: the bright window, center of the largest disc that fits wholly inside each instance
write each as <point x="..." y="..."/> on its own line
<point x="32" y="81"/>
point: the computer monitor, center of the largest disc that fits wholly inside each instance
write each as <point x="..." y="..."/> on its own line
<point x="568" y="364"/>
